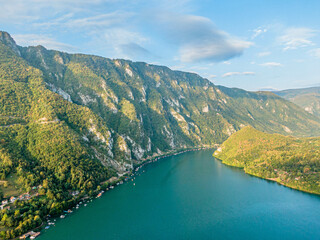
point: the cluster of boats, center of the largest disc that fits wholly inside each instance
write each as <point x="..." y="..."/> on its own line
<point x="31" y="234"/>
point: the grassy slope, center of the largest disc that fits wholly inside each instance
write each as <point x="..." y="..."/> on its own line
<point x="293" y="162"/>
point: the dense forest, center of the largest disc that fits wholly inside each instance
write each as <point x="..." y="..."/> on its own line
<point x="293" y="162"/>
<point x="70" y="122"/>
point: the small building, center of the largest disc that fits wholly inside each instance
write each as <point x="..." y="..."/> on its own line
<point x="12" y="199"/>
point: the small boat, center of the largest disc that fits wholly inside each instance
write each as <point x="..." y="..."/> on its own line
<point x="35" y="235"/>
<point x="62" y="216"/>
<point x="85" y="204"/>
<point x="47" y="227"/>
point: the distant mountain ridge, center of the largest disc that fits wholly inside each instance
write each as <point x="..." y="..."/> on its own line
<point x="307" y="98"/>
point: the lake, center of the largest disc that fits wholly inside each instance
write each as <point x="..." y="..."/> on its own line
<point x="193" y="196"/>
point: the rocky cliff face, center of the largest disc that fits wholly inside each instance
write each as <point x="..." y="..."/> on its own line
<point x="7" y="40"/>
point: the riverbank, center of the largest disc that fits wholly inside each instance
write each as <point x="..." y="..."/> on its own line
<point x="172" y="153"/>
<point x="276" y="180"/>
<point x="83" y="199"/>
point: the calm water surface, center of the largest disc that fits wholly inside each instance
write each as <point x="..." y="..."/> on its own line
<point x="194" y="196"/>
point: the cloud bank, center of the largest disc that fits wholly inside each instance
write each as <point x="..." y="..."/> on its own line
<point x="198" y="39"/>
<point x="43" y="40"/>
<point x="294" y="38"/>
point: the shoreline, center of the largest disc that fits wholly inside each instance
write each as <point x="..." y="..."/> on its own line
<point x="268" y="179"/>
<point x="83" y="199"/>
<point x="169" y="154"/>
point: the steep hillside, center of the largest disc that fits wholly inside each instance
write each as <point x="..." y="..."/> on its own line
<point x="174" y="108"/>
<point x="307" y="98"/>
<point x="68" y="122"/>
<point x="293" y="162"/>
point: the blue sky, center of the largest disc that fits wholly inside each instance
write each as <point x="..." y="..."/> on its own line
<point x="250" y="44"/>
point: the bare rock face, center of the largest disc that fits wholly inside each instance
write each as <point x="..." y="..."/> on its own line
<point x="7" y="40"/>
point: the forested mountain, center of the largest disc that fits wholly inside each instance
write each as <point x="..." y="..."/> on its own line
<point x="293" y="162"/>
<point x="70" y="121"/>
<point x="307" y="98"/>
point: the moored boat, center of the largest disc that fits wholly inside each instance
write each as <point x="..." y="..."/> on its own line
<point x="33" y="236"/>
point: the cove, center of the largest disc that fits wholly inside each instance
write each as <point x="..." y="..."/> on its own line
<point x="193" y="196"/>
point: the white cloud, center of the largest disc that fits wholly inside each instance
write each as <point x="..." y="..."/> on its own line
<point x="229" y="74"/>
<point x="32" y="10"/>
<point x="92" y="24"/>
<point x="119" y="42"/>
<point x="315" y="52"/>
<point x="198" y="39"/>
<point x="39" y="39"/>
<point x="264" y="54"/>
<point x="258" y="31"/>
<point x="271" y="64"/>
<point x="212" y="51"/>
<point x="134" y="50"/>
<point x="294" y="38"/>
<point x="122" y="36"/>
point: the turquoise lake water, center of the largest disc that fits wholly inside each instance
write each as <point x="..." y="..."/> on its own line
<point x="193" y="196"/>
